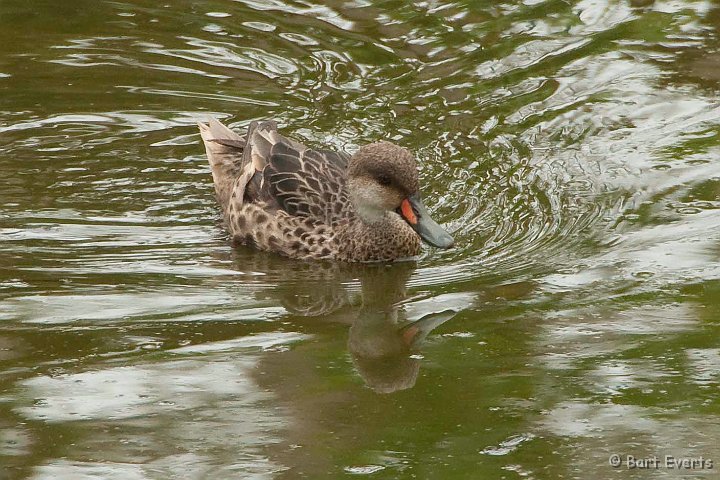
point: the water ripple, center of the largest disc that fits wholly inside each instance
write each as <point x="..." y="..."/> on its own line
<point x="570" y="147"/>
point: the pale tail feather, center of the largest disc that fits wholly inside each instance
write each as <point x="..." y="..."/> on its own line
<point x="225" y="153"/>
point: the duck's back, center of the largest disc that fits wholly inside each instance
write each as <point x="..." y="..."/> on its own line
<point x="276" y="193"/>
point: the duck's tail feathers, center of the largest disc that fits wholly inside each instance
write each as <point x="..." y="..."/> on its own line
<point x="225" y="150"/>
<point x="261" y="137"/>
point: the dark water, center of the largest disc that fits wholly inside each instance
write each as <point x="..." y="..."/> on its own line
<point x="572" y="148"/>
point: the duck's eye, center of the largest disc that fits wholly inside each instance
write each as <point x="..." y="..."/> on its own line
<point x="384" y="180"/>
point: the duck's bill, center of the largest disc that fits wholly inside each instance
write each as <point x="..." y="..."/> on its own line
<point x="414" y="212"/>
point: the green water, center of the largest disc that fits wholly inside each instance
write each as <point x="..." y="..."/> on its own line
<point x="571" y="148"/>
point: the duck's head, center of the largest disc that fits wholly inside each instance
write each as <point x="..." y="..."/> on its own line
<point x="383" y="177"/>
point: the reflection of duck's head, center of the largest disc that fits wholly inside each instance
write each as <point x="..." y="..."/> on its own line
<point x="381" y="351"/>
<point x="380" y="341"/>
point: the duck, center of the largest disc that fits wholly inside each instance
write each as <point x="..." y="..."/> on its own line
<point x="278" y="195"/>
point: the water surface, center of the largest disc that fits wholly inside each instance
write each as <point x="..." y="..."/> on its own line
<point x="570" y="147"/>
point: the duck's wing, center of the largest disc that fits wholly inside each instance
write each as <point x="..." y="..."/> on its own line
<point x="237" y="161"/>
<point x="307" y="183"/>
<point x="265" y="166"/>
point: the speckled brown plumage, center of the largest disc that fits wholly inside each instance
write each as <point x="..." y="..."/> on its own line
<point x="278" y="195"/>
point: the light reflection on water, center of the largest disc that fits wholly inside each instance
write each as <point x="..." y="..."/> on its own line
<point x="569" y="147"/>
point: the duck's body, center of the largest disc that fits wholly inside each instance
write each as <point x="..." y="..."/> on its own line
<point x="278" y="195"/>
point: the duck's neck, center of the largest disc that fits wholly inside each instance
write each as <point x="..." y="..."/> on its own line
<point x="380" y="237"/>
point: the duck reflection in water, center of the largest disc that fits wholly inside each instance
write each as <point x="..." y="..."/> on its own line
<point x="384" y="344"/>
<point x="384" y="341"/>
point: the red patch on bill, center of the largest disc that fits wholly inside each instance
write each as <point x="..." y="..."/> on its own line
<point x="409" y="334"/>
<point x="408" y="212"/>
